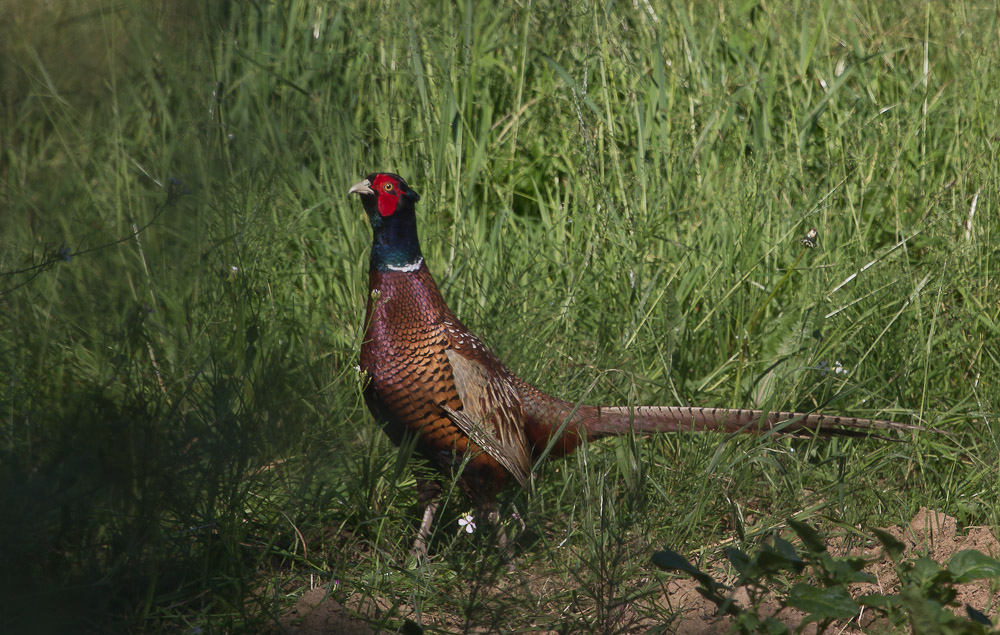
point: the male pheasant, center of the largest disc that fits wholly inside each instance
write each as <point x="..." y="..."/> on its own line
<point x="429" y="376"/>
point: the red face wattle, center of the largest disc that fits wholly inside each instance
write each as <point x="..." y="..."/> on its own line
<point x="388" y="191"/>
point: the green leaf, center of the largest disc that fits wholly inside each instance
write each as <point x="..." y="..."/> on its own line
<point x="926" y="616"/>
<point x="742" y="563"/>
<point x="823" y="604"/>
<point x="973" y="565"/>
<point x="772" y="560"/>
<point x="862" y="576"/>
<point x="772" y="626"/>
<point x="931" y="580"/>
<point x="811" y="539"/>
<point x="977" y="616"/>
<point x="748" y="622"/>
<point x="930" y="617"/>
<point x="927" y="571"/>
<point x="889" y="542"/>
<point x="672" y="561"/>
<point x="844" y="569"/>
<point x="877" y="600"/>
<point x="787" y="551"/>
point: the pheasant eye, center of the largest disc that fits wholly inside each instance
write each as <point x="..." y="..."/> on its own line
<point x="387" y="187"/>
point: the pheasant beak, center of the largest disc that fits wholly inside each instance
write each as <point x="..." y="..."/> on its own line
<point x="364" y="187"/>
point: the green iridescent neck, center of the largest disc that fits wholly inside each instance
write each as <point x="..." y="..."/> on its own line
<point x="395" y="246"/>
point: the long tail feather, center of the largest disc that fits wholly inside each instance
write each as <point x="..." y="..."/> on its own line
<point x="559" y="426"/>
<point x="607" y="421"/>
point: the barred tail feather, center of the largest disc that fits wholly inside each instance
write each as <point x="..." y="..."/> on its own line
<point x="616" y="420"/>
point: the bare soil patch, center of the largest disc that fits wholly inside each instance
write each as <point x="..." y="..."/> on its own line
<point x="929" y="533"/>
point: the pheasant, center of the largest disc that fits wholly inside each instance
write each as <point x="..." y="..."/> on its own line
<point x="427" y="375"/>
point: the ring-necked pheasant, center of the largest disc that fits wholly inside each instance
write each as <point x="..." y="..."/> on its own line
<point x="429" y="376"/>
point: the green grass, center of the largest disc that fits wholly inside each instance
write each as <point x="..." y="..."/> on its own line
<point x="610" y="195"/>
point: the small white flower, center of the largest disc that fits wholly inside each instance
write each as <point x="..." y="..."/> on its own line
<point x="468" y="522"/>
<point x="838" y="369"/>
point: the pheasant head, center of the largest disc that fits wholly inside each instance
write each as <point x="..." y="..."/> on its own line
<point x="389" y="203"/>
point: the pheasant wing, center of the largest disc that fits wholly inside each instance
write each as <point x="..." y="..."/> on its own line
<point x="492" y="414"/>
<point x="485" y="439"/>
